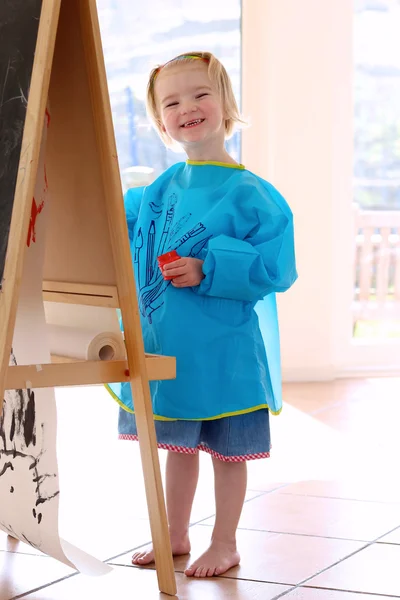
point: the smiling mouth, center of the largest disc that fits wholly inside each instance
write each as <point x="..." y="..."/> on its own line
<point x="192" y="123"/>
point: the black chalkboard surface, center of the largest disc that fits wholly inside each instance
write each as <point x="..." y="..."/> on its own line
<point x="19" y="23"/>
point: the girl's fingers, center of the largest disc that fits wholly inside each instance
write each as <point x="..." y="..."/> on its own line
<point x="180" y="279"/>
<point x="181" y="284"/>
<point x="174" y="272"/>
<point x="181" y="262"/>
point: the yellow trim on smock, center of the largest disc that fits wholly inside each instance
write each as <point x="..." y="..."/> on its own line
<point x="161" y="418"/>
<point x="200" y="163"/>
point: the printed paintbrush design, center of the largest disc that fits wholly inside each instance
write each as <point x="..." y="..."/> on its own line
<point x="152" y="290"/>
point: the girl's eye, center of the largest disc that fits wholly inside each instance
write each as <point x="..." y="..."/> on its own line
<point x="201" y="95"/>
<point x="172" y="104"/>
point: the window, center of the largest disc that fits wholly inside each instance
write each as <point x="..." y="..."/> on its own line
<point x="377" y="168"/>
<point x="138" y="36"/>
<point x="377" y="104"/>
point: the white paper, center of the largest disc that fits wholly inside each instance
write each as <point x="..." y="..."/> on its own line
<point x="86" y="343"/>
<point x="97" y="318"/>
<point x="29" y="482"/>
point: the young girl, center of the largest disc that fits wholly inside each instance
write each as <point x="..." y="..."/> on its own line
<point x="234" y="234"/>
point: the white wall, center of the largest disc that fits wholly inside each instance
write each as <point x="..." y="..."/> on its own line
<point x="297" y="79"/>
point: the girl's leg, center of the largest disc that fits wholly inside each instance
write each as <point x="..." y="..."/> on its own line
<point x="230" y="491"/>
<point x="182" y="473"/>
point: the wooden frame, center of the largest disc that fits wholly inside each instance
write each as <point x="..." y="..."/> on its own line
<point x="84" y="372"/>
<point x="78" y="19"/>
<point x="81" y="293"/>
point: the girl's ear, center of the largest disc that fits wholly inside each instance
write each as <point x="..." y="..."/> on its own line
<point x="161" y="126"/>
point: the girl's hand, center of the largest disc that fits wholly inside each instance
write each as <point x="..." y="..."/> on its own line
<point x="186" y="272"/>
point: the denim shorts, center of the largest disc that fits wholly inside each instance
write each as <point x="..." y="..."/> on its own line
<point x="231" y="439"/>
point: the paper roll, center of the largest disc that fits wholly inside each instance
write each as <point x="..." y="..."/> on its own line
<point x="85" y="344"/>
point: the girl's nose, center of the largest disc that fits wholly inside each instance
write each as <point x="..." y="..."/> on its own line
<point x="188" y="107"/>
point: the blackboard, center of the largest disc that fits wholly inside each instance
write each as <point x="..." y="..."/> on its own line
<point x="19" y="23"/>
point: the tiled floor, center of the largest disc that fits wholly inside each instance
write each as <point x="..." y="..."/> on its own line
<point x="321" y="519"/>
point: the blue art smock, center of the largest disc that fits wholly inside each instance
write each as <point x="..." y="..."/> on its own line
<point x="242" y="229"/>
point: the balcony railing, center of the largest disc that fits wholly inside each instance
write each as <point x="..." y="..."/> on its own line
<point x="377" y="265"/>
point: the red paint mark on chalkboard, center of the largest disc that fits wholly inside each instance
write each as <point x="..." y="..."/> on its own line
<point x="35" y="211"/>
<point x="46" y="183"/>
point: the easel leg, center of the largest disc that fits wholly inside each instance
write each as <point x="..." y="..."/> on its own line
<point x="155" y="500"/>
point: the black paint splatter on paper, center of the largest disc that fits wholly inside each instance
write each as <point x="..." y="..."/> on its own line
<point x="20" y="457"/>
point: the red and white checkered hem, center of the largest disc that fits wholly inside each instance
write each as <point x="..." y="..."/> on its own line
<point x="184" y="450"/>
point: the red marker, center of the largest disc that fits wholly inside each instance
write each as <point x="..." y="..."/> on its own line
<point x="167" y="258"/>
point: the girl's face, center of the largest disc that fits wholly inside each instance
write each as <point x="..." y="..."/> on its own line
<point x="189" y="106"/>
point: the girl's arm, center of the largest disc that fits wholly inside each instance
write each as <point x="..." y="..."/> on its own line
<point x="263" y="262"/>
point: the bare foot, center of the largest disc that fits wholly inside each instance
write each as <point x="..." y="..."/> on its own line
<point x="146" y="556"/>
<point x="218" y="559"/>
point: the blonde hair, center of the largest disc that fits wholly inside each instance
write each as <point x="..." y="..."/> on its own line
<point x="218" y="77"/>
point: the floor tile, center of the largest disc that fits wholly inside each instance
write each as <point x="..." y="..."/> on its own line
<point x="374" y="570"/>
<point x="20" y="573"/>
<point x="110" y="535"/>
<point x="392" y="538"/>
<point x="295" y="436"/>
<point x="273" y="558"/>
<point x="385" y="490"/>
<point x="125" y="582"/>
<point x="303" y="593"/>
<point x="362" y="417"/>
<point x="317" y="396"/>
<point x="328" y="517"/>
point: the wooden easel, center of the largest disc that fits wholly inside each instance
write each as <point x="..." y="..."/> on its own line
<point x="87" y="249"/>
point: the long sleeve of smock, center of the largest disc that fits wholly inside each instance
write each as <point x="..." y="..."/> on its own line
<point x="263" y="262"/>
<point x="132" y="200"/>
